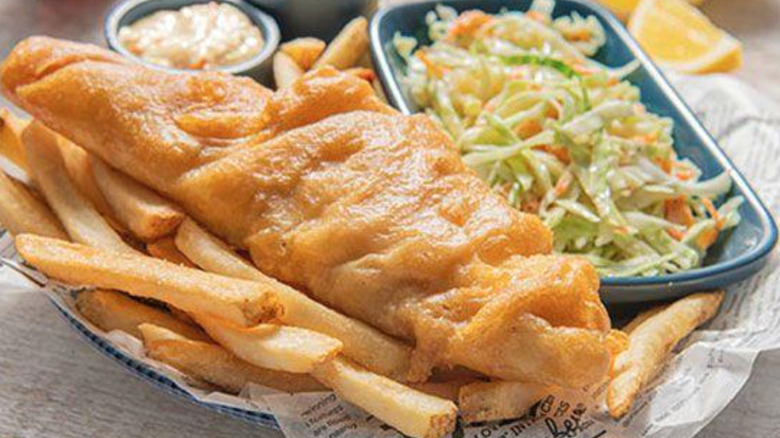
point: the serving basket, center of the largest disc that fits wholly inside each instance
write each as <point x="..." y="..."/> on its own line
<point x="736" y="257"/>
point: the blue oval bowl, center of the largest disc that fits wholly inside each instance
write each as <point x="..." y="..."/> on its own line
<point x="736" y="255"/>
<point x="128" y="11"/>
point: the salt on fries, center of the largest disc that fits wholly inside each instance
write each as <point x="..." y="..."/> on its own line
<point x="242" y="302"/>
<point x="82" y="222"/>
<point x="110" y="310"/>
<point x="366" y="345"/>
<point x="146" y="214"/>
<point x="651" y="341"/>
<point x="208" y="362"/>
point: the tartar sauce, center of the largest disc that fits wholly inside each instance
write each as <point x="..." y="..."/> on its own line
<point x="201" y="36"/>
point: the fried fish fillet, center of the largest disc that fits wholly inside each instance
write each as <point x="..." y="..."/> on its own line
<point x="333" y="192"/>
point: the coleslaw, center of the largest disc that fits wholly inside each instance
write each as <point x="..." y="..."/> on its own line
<point x="565" y="137"/>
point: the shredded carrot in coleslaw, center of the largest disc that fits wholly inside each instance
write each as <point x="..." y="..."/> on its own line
<point x="565" y="137"/>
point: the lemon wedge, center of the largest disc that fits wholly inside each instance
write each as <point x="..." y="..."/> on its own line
<point x="678" y="36"/>
<point x="623" y="8"/>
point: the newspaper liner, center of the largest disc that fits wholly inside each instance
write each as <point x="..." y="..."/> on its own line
<point x="704" y="375"/>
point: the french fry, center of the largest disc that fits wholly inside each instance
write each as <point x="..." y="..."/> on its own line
<point x="286" y="71"/>
<point x="80" y="170"/>
<point x="165" y="249"/>
<point x="448" y="390"/>
<point x="651" y="341"/>
<point x="457" y="372"/>
<point x="21" y="212"/>
<point x="110" y="310"/>
<point x="640" y="318"/>
<point x="380" y="92"/>
<point x="366" y="345"/>
<point x="617" y="342"/>
<point x="412" y="412"/>
<point x="364" y="66"/>
<point x="369" y="76"/>
<point x="148" y="215"/>
<point x="273" y="346"/>
<point x="213" y="364"/>
<point x="11" y="147"/>
<point x="241" y="302"/>
<point x="488" y="401"/>
<point x="212" y="254"/>
<point x="304" y="51"/>
<point x="366" y="74"/>
<point x="365" y="61"/>
<point x="347" y="47"/>
<point x="180" y="315"/>
<point x="80" y="219"/>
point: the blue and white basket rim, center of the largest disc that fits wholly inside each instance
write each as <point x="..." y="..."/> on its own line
<point x="152" y="376"/>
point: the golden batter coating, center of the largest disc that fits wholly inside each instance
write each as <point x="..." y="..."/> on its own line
<point x="366" y="210"/>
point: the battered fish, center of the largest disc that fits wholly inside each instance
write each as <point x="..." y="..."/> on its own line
<point x="335" y="193"/>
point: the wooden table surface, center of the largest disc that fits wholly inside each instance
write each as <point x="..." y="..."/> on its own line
<point x="52" y="384"/>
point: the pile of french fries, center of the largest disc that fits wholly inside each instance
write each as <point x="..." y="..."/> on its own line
<point x="347" y="52"/>
<point x="203" y="308"/>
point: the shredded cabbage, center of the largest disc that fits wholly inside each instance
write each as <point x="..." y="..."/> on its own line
<point x="567" y="138"/>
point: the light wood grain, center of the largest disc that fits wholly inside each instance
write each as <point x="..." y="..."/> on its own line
<point x="755" y="412"/>
<point x="757" y="24"/>
<point x="54" y="384"/>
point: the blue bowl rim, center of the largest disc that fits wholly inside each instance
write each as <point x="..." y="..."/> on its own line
<point x="265" y="22"/>
<point x="393" y="91"/>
